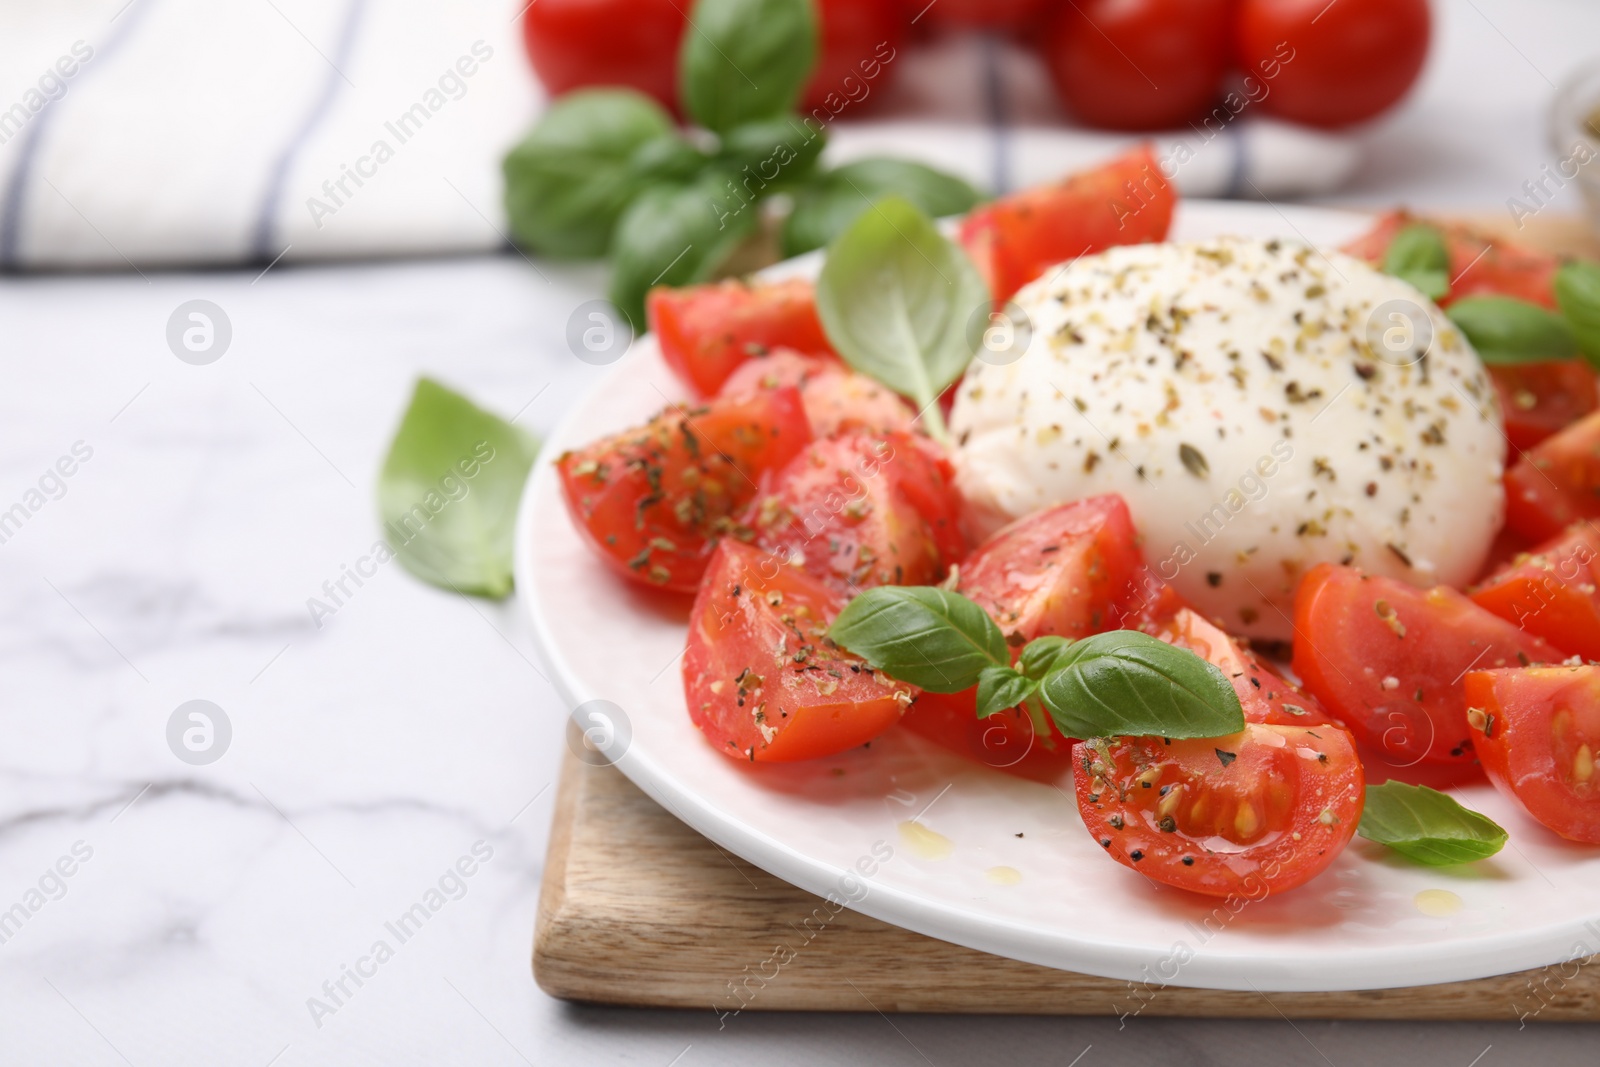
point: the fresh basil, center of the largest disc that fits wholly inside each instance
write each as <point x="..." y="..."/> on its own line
<point x="745" y="59"/>
<point x="1505" y="330"/>
<point x="1039" y="656"/>
<point x="894" y="297"/>
<point x="935" y="639"/>
<point x="1128" y="683"/>
<point x="1418" y="255"/>
<point x="672" y="235"/>
<point x="771" y="154"/>
<point x="826" y="208"/>
<point x="571" y="178"/>
<point x="1002" y="688"/>
<point x="1577" y="287"/>
<point x="1427" y="826"/>
<point x="449" y="490"/>
<point x="668" y="158"/>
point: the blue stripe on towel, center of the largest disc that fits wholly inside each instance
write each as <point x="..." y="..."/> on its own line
<point x="15" y="199"/>
<point x="262" y="245"/>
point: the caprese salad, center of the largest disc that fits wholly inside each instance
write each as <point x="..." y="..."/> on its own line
<point x="1032" y="493"/>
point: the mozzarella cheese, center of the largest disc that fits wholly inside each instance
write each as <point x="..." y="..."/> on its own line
<point x="1261" y="406"/>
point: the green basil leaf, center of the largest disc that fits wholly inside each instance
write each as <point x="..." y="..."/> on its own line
<point x="1427" y="825"/>
<point x="1506" y="330"/>
<point x="1578" y="294"/>
<point x="745" y="59"/>
<point x="672" y="235"/>
<point x="1040" y="655"/>
<point x="894" y="297"/>
<point x="933" y="638"/>
<point x="571" y="178"/>
<point x="1002" y="688"/>
<point x="668" y="158"/>
<point x="449" y="491"/>
<point x="771" y="154"/>
<point x="827" y="208"/>
<point x="1128" y="683"/>
<point x="1418" y="255"/>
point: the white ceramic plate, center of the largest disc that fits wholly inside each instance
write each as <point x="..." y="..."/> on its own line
<point x="995" y="863"/>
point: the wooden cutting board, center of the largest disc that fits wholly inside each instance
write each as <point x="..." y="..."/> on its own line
<point x="638" y="909"/>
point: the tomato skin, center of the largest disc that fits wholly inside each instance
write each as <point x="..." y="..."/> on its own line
<point x="858" y="41"/>
<point x="1098" y="51"/>
<point x="577" y="43"/>
<point x="837" y="399"/>
<point x="861" y="510"/>
<point x="651" y="500"/>
<point x="1537" y="732"/>
<point x="1013" y="240"/>
<point x="1293" y="794"/>
<point x="1552" y="591"/>
<point x="1540" y="400"/>
<point x="1345" y="62"/>
<point x="707" y="331"/>
<point x="762" y="682"/>
<point x="1264" y="694"/>
<point x="1557" y="482"/>
<point x="978" y="14"/>
<point x="1367" y="646"/>
<point x="1479" y="265"/>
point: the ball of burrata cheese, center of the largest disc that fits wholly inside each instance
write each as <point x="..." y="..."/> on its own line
<point x="1261" y="406"/>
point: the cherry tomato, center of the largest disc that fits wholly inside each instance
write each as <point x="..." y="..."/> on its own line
<point x="1479" y="265"/>
<point x="1387" y="659"/>
<point x="1150" y="603"/>
<point x="706" y="331"/>
<point x="1067" y="570"/>
<point x="1539" y="400"/>
<point x="861" y="510"/>
<point x="1557" y="482"/>
<point x="977" y="14"/>
<point x="1139" y="64"/>
<point x="1015" y="239"/>
<point x="1552" y="592"/>
<point x="1537" y="732"/>
<point x="836" y="399"/>
<point x="1248" y="815"/>
<point x="762" y="681"/>
<point x="859" y="43"/>
<point x="1263" y="693"/>
<point x="1332" y="64"/>
<point x="575" y="43"/>
<point x="652" y="500"/>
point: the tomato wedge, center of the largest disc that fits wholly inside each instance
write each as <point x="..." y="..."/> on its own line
<point x="836" y="398"/>
<point x="1537" y="732"/>
<point x="1248" y="815"/>
<point x="1479" y="265"/>
<point x="706" y="331"/>
<point x="1264" y="694"/>
<point x="1557" y="482"/>
<point x="861" y="510"/>
<point x="762" y="680"/>
<point x="1540" y="400"/>
<point x="1013" y="240"/>
<point x="1387" y="659"/>
<point x="1065" y="570"/>
<point x="651" y="500"/>
<point x="1552" y="591"/>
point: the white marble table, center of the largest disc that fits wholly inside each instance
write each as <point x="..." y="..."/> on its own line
<point x="208" y="904"/>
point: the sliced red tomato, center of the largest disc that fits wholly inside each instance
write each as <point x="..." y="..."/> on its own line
<point x="652" y="500"/>
<point x="1248" y="815"/>
<point x="706" y="331"/>
<point x="1387" y="659"/>
<point x="861" y="510"/>
<point x="1148" y="604"/>
<point x="1539" y="400"/>
<point x="836" y="398"/>
<point x="1552" y="591"/>
<point x="1479" y="265"/>
<point x="1013" y="240"/>
<point x="1557" y="482"/>
<point x="762" y="680"/>
<point x="1066" y="571"/>
<point x="1263" y="693"/>
<point x="1537" y="732"/>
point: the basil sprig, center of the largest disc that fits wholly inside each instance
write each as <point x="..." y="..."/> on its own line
<point x="1427" y="826"/>
<point x="1505" y="330"/>
<point x="894" y="297"/>
<point x="743" y="60"/>
<point x="672" y="235"/>
<point x="1418" y="255"/>
<point x="1577" y="287"/>
<point x="1117" y="683"/>
<point x="827" y="206"/>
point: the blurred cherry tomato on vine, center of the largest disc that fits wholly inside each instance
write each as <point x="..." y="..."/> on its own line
<point x="1138" y="64"/>
<point x="976" y="14"/>
<point x="575" y="43"/>
<point x="1333" y="64"/>
<point x="860" y="40"/>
